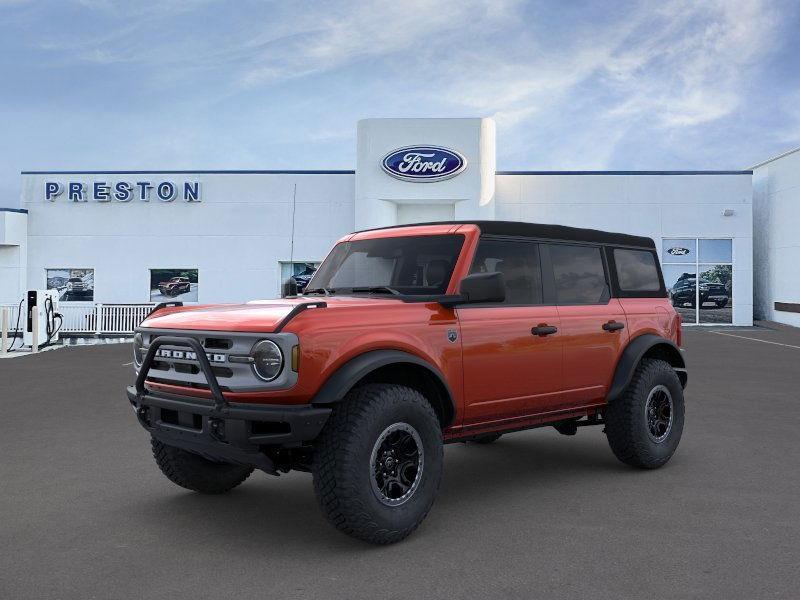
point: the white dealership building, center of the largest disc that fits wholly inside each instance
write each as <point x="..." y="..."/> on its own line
<point x="131" y="238"/>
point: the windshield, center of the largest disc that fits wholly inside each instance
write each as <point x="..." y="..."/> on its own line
<point x="413" y="265"/>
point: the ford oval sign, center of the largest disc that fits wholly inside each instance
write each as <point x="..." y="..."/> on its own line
<point x="423" y="163"/>
<point x="678" y="251"/>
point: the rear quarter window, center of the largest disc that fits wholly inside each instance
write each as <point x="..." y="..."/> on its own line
<point x="637" y="270"/>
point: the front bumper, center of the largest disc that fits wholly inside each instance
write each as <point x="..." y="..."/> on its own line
<point x="234" y="433"/>
<point x="218" y="429"/>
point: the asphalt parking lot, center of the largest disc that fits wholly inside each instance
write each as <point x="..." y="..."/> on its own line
<point x="85" y="513"/>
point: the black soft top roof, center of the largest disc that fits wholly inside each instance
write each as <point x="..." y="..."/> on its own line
<point x="547" y="232"/>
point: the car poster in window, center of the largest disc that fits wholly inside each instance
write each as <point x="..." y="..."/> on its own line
<point x="73" y="285"/>
<point x="681" y="282"/>
<point x="173" y="285"/>
<point x="716" y="294"/>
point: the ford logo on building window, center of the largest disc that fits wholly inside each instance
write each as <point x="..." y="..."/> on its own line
<point x="678" y="251"/>
<point x="423" y="163"/>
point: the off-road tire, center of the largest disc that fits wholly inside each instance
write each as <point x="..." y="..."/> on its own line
<point x="193" y="472"/>
<point x="487" y="438"/>
<point x="342" y="462"/>
<point x="626" y="424"/>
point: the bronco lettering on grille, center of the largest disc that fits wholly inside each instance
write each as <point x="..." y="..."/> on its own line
<point x="188" y="355"/>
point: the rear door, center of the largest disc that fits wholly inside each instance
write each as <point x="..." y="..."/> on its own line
<point x="510" y="371"/>
<point x="593" y="325"/>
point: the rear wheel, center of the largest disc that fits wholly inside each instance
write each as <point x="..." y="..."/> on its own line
<point x="193" y="472"/>
<point x="378" y="463"/>
<point x="645" y="424"/>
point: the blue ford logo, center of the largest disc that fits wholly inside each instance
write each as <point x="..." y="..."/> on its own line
<point x="423" y="163"/>
<point x="678" y="251"/>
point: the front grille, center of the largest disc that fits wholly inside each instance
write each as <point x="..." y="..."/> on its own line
<point x="186" y="368"/>
<point x="176" y="364"/>
<point x="222" y="372"/>
<point x="217" y="343"/>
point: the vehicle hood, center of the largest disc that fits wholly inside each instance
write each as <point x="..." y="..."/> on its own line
<point x="259" y="316"/>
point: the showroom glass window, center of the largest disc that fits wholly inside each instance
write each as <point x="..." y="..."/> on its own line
<point x="73" y="285"/>
<point x="174" y="285"/>
<point x="698" y="273"/>
<point x="302" y="271"/>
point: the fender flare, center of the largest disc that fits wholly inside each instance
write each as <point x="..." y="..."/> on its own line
<point x="632" y="356"/>
<point x="350" y="373"/>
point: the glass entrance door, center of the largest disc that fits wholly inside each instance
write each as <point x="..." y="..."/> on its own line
<point x="698" y="273"/>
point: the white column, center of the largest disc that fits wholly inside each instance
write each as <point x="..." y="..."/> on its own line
<point x="4" y="331"/>
<point x="35" y="340"/>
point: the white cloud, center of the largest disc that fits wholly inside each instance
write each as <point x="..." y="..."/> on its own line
<point x="580" y="86"/>
<point x="684" y="65"/>
<point x="335" y="34"/>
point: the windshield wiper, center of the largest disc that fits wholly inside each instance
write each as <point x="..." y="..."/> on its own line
<point x="375" y="289"/>
<point x="321" y="290"/>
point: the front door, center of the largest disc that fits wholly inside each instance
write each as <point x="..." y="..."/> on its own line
<point x="512" y="352"/>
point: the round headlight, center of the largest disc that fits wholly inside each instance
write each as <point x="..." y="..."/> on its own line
<point x="138" y="356"/>
<point x="268" y="360"/>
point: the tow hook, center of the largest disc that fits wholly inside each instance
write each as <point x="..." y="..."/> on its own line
<point x="143" y="414"/>
<point x="216" y="428"/>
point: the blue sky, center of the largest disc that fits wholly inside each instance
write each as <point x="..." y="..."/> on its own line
<point x="192" y="84"/>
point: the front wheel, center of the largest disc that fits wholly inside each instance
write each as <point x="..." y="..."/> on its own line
<point x="645" y="424"/>
<point x="378" y="463"/>
<point x="193" y="472"/>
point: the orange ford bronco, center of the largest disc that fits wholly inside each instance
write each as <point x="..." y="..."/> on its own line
<point x="408" y="338"/>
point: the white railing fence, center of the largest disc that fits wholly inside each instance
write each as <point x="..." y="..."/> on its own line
<point x="90" y="318"/>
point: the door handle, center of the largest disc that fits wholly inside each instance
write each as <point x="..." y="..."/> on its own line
<point x="613" y="326"/>
<point x="543" y="330"/>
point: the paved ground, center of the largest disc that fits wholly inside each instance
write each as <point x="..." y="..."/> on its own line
<point x="84" y="513"/>
<point x="709" y="313"/>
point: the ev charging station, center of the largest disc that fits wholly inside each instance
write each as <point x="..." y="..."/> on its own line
<point x="42" y="319"/>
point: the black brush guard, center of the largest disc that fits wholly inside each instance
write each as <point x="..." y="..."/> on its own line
<point x="219" y="430"/>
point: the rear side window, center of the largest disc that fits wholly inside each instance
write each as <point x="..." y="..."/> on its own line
<point x="519" y="264"/>
<point x="579" y="274"/>
<point x="636" y="271"/>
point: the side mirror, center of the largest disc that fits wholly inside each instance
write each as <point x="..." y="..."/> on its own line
<point x="290" y="287"/>
<point x="477" y="289"/>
